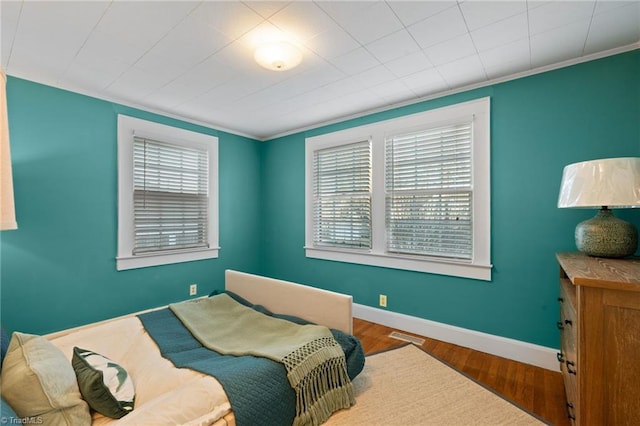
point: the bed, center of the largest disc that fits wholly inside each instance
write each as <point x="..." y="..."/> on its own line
<point x="143" y="344"/>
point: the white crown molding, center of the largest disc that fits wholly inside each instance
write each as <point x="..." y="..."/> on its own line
<point x="217" y="127"/>
<point x="145" y="108"/>
<point x="516" y="350"/>
<point x="539" y="70"/>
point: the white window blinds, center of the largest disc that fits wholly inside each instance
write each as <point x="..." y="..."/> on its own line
<point x="428" y="184"/>
<point x="170" y="197"/>
<point x="342" y="196"/>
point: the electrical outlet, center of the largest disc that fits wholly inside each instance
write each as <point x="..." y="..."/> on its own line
<point x="193" y="289"/>
<point x="383" y="300"/>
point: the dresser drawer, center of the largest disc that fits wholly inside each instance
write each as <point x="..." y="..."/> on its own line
<point x="570" y="380"/>
<point x="568" y="296"/>
<point x="568" y="323"/>
<point x="568" y="341"/>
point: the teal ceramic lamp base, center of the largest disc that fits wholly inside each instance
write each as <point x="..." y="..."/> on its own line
<point x="606" y="236"/>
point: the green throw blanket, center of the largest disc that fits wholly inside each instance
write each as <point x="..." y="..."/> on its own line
<point x="315" y="363"/>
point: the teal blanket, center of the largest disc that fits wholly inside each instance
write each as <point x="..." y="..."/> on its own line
<point x="257" y="388"/>
<point x="315" y="363"/>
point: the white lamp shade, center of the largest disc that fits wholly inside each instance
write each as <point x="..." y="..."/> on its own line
<point x="278" y="56"/>
<point x="610" y="182"/>
<point x="7" y="211"/>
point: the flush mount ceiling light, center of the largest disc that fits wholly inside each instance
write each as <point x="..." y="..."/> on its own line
<point x="278" y="56"/>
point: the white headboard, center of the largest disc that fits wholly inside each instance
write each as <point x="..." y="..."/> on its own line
<point x="324" y="307"/>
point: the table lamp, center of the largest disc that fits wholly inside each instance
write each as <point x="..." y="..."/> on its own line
<point x="603" y="184"/>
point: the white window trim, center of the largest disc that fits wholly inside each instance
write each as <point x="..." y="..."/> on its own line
<point x="127" y="128"/>
<point x="480" y="265"/>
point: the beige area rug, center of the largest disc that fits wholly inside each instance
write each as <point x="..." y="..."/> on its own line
<point x="407" y="387"/>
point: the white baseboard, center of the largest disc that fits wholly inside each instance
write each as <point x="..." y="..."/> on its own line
<point x="517" y="350"/>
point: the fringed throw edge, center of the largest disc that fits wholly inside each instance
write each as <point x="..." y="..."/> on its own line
<point x="317" y="371"/>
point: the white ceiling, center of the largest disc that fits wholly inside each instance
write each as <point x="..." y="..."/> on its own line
<point x="194" y="59"/>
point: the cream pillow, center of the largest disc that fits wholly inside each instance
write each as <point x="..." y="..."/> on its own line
<point x="38" y="382"/>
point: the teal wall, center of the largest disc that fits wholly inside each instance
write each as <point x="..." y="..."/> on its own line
<point x="58" y="268"/>
<point x="538" y="125"/>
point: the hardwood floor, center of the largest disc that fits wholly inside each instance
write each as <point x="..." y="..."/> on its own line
<point x="536" y="389"/>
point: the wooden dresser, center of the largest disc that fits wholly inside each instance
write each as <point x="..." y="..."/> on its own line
<point x="600" y="338"/>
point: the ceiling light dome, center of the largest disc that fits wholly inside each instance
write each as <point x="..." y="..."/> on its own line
<point x="278" y="56"/>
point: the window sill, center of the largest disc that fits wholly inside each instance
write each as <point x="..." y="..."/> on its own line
<point x="143" y="261"/>
<point x="431" y="265"/>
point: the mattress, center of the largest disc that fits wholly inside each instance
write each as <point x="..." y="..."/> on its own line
<point x="164" y="394"/>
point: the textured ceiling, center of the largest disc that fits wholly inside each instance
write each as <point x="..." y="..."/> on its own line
<point x="194" y="60"/>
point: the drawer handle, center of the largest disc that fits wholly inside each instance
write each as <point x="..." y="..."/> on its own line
<point x="560" y="299"/>
<point x="570" y="411"/>
<point x="560" y="357"/>
<point x="560" y="325"/>
<point x="569" y="322"/>
<point x="569" y="365"/>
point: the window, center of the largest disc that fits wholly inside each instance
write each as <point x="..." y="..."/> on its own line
<point x="342" y="196"/>
<point x="409" y="193"/>
<point x="167" y="194"/>
<point x="428" y="192"/>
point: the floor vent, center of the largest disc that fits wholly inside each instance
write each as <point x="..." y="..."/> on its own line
<point x="407" y="338"/>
